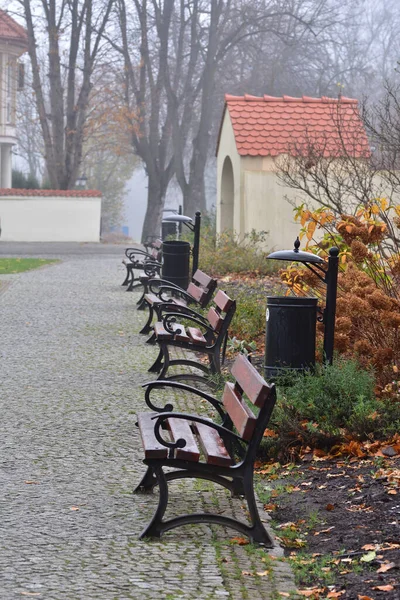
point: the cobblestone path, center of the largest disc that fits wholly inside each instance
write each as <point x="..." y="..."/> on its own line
<point x="70" y="372"/>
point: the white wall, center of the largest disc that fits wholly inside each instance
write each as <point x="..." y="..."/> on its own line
<point x="50" y="219"/>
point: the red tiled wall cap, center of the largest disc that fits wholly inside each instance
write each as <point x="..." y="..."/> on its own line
<point x="51" y="193"/>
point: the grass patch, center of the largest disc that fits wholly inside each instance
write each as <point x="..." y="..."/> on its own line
<point x="9" y="266"/>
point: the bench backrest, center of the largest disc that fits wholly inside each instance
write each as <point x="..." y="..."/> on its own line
<point x="202" y="287"/>
<point x="261" y="394"/>
<point x="221" y="315"/>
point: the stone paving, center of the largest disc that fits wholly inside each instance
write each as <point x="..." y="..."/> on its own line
<point x="71" y="367"/>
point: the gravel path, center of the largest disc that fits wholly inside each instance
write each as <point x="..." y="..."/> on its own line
<point x="71" y="367"/>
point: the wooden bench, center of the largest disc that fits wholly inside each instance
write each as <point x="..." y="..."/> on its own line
<point x="197" y="447"/>
<point x="161" y="295"/>
<point x="136" y="258"/>
<point x="209" y="337"/>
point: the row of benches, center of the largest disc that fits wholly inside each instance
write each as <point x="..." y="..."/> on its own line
<point x="194" y="446"/>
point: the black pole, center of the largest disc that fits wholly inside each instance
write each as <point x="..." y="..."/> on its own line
<point x="330" y="307"/>
<point x="196" y="241"/>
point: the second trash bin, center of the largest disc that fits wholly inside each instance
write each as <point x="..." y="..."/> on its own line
<point x="175" y="266"/>
<point x="290" y="334"/>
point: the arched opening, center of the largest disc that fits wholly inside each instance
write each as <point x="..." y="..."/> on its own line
<point x="227" y="195"/>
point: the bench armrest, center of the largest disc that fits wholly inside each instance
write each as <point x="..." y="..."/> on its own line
<point x="192" y="316"/>
<point x="184" y="311"/>
<point x="130" y="251"/>
<point x="164" y="289"/>
<point x="159" y="383"/>
<point x="181" y="443"/>
<point x="157" y="282"/>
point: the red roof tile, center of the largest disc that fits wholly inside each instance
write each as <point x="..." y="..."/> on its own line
<point x="51" y="193"/>
<point x="269" y="126"/>
<point x="11" y="31"/>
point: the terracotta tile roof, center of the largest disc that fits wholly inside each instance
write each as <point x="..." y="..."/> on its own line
<point x="269" y="126"/>
<point x="51" y="193"/>
<point x="11" y="31"/>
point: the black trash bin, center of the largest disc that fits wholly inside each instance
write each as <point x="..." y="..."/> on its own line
<point x="168" y="229"/>
<point x="290" y="334"/>
<point x="175" y="266"/>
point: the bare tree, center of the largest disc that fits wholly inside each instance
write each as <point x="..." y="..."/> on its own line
<point x="72" y="31"/>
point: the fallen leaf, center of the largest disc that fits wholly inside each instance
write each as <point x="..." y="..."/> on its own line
<point x="364" y="598"/>
<point x="240" y="541"/>
<point x="310" y="592"/>
<point x="368" y="547"/>
<point x="335" y="594"/>
<point x="324" y="530"/>
<point x="386" y="567"/>
<point x="262" y="573"/>
<point x="368" y="557"/>
<point x="248" y="573"/>
<point x="392" y="492"/>
<point x="285" y="594"/>
<point x="32" y="482"/>
<point x="384" y="588"/>
<point x="74" y="508"/>
<point x="330" y="507"/>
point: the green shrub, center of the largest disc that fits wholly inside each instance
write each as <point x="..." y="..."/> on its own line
<point x="249" y="320"/>
<point x="226" y="253"/>
<point x="24" y="182"/>
<point x="335" y="402"/>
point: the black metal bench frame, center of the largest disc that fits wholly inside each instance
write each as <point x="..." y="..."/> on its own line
<point x="216" y="339"/>
<point x="242" y="448"/>
<point x="199" y="292"/>
<point x="136" y="258"/>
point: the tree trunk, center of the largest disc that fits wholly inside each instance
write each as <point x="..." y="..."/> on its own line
<point x="195" y="197"/>
<point x="155" y="205"/>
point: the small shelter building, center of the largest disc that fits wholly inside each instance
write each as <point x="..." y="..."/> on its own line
<point x="254" y="133"/>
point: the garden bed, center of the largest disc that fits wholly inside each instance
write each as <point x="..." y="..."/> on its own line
<point x="339" y="523"/>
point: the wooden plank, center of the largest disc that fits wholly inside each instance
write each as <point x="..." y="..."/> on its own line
<point x="214" y="319"/>
<point x="196" y="336"/>
<point x="152" y="447"/>
<point x="254" y="386"/>
<point x="152" y="299"/>
<point x="161" y="333"/>
<point x="181" y="429"/>
<point x="180" y="337"/>
<point x="196" y="292"/>
<point x="203" y="279"/>
<point x="213" y="446"/>
<point x="242" y="417"/>
<point x="223" y="301"/>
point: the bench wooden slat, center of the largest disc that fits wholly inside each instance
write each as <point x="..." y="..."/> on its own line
<point x="223" y="301"/>
<point x="181" y="429"/>
<point x="161" y="333"/>
<point x="213" y="446"/>
<point x="196" y="336"/>
<point x="196" y="292"/>
<point x="152" y="299"/>
<point x="180" y="337"/>
<point x="202" y="278"/>
<point x="242" y="417"/>
<point x="214" y="319"/>
<point x="251" y="382"/>
<point x="152" y="447"/>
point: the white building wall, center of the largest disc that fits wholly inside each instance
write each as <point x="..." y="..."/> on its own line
<point x="227" y="147"/>
<point x="50" y="219"/>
